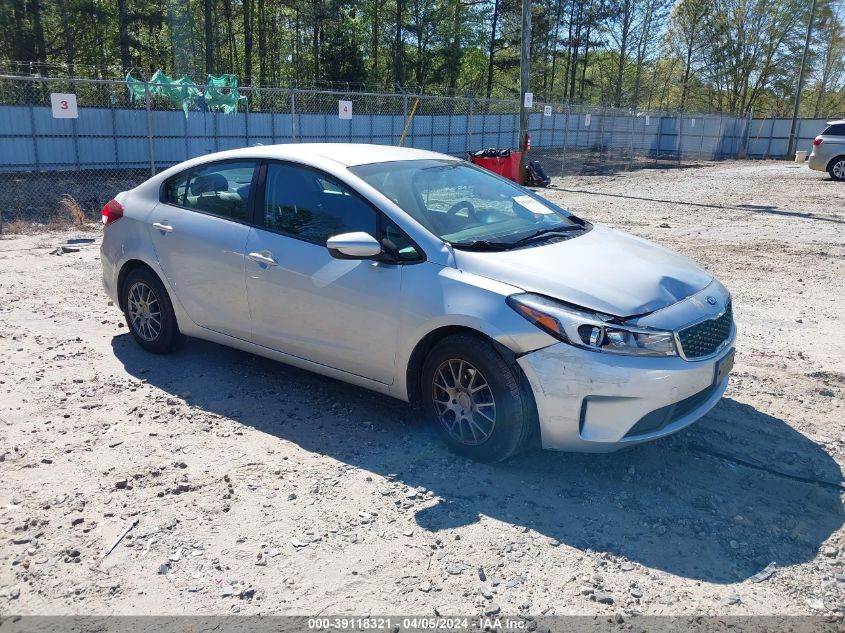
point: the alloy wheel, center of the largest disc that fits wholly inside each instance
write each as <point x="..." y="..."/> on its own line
<point x="144" y="311"/>
<point x="839" y="169"/>
<point x="464" y="401"/>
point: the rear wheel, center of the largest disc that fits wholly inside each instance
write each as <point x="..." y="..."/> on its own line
<point x="836" y="169"/>
<point x="149" y="313"/>
<point x="478" y="402"/>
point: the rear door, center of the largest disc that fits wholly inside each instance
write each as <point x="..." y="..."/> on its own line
<point x="199" y="230"/>
<point x="339" y="313"/>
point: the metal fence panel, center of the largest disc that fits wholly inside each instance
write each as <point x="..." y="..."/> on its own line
<point x="116" y="142"/>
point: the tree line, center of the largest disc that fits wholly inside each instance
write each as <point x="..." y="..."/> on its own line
<point x="733" y="56"/>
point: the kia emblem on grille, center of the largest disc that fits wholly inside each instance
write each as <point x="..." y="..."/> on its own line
<point x="712" y="300"/>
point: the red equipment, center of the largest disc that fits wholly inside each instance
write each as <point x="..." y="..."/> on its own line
<point x="507" y="166"/>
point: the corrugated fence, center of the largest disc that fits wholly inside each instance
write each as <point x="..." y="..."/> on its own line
<point x="114" y="142"/>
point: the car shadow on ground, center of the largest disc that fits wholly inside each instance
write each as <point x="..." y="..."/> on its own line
<point x="669" y="505"/>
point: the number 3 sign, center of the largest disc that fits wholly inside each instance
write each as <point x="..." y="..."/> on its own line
<point x="64" y="105"/>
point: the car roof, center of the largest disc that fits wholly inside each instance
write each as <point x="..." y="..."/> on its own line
<point x="838" y="122"/>
<point x="347" y="154"/>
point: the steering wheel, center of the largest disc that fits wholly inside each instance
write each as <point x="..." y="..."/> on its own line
<point x="463" y="204"/>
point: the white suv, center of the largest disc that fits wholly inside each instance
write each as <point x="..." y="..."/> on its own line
<point x="829" y="150"/>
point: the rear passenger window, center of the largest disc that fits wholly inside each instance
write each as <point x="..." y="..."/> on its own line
<point x="312" y="207"/>
<point x="220" y="189"/>
<point x="835" y="130"/>
<point x="175" y="189"/>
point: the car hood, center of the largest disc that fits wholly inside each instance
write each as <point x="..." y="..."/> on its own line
<point x="603" y="269"/>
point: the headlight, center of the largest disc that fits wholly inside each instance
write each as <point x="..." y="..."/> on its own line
<point x="591" y="330"/>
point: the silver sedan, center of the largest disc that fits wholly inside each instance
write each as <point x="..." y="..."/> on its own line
<point x="512" y="321"/>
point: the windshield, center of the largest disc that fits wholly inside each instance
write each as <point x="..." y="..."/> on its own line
<point x="463" y="204"/>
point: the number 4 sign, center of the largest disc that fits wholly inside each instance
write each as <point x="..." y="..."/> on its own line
<point x="64" y="105"/>
<point x="344" y="109"/>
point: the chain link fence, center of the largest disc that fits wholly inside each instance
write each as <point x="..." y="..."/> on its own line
<point x="52" y="168"/>
<point x="578" y="139"/>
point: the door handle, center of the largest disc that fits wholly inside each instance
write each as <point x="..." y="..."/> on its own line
<point x="265" y="257"/>
<point x="162" y="227"/>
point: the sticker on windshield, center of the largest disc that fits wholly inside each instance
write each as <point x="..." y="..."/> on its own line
<point x="535" y="206"/>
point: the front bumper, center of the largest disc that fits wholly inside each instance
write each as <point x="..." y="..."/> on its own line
<point x="597" y="402"/>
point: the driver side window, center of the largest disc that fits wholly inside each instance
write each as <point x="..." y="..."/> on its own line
<point x="313" y="207"/>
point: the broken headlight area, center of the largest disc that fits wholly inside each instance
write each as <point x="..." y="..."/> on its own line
<point x="592" y="330"/>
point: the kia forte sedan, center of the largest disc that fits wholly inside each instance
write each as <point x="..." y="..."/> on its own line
<point x="510" y="320"/>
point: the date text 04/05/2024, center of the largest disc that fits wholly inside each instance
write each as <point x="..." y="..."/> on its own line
<point x="417" y="623"/>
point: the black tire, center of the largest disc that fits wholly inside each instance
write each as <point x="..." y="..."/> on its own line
<point x="143" y="286"/>
<point x="514" y="410"/>
<point x="836" y="168"/>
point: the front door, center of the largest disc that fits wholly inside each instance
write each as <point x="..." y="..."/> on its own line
<point x="304" y="302"/>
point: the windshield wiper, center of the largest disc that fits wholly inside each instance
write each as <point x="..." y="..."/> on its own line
<point x="482" y="245"/>
<point x="560" y="230"/>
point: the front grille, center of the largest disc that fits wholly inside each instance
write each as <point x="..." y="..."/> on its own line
<point x="705" y="338"/>
<point x="664" y="416"/>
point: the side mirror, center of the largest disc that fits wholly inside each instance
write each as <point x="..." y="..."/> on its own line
<point x="358" y="245"/>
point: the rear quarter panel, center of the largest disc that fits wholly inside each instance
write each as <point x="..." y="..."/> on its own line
<point x="830" y="148"/>
<point x="128" y="239"/>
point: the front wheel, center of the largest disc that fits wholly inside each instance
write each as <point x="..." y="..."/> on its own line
<point x="836" y="169"/>
<point x="478" y="403"/>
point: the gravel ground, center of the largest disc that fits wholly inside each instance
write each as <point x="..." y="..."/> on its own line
<point x="258" y="488"/>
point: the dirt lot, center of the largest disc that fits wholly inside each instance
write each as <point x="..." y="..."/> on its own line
<point x="263" y="489"/>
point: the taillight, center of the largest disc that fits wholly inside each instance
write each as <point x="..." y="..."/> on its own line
<point x="112" y="211"/>
<point x="817" y="141"/>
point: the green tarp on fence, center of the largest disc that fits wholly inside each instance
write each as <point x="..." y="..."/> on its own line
<point x="220" y="94"/>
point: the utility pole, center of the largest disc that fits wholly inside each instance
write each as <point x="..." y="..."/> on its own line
<point x="524" y="68"/>
<point x="790" y="152"/>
